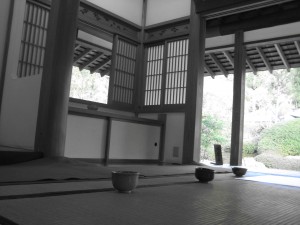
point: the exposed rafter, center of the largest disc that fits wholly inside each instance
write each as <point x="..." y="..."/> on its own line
<point x="82" y="54"/>
<point x="265" y="60"/>
<point x="77" y="46"/>
<point x="90" y="61"/>
<point x="283" y="57"/>
<point x="209" y="71"/>
<point x="219" y="65"/>
<point x="100" y="65"/>
<point x="105" y="72"/>
<point x="297" y="46"/>
<point x="251" y="66"/>
<point x="229" y="57"/>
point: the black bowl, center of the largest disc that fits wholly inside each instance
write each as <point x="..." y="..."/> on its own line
<point x="125" y="181"/>
<point x="204" y="175"/>
<point x="239" y="171"/>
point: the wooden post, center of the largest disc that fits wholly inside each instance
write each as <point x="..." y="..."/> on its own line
<point x="56" y="80"/>
<point x="107" y="145"/>
<point x="195" y="80"/>
<point x="140" y="62"/>
<point x="161" y="158"/>
<point x="238" y="100"/>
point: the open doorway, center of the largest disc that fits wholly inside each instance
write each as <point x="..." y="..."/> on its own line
<point x="91" y="67"/>
<point x="217" y="117"/>
<point x="272" y="120"/>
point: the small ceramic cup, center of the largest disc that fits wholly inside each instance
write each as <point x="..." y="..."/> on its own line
<point x="125" y="181"/>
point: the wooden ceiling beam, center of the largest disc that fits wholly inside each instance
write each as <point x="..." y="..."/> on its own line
<point x="217" y="8"/>
<point x="82" y="54"/>
<point x="219" y="65"/>
<point x="283" y="57"/>
<point x="265" y="60"/>
<point x="250" y="64"/>
<point x="297" y="46"/>
<point x="103" y="63"/>
<point x="90" y="61"/>
<point x="210" y="72"/>
<point x="105" y="72"/>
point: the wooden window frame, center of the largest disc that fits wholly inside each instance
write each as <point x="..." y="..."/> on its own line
<point x="33" y="42"/>
<point x="129" y="105"/>
<point x="162" y="107"/>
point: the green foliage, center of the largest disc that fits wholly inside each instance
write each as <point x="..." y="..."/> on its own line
<point x="90" y="87"/>
<point x="278" y="162"/>
<point x="282" y="138"/>
<point x="249" y="148"/>
<point x="296" y="86"/>
<point x="211" y="131"/>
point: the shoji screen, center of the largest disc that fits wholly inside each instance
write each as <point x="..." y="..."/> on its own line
<point x="176" y="73"/>
<point x="124" y="75"/>
<point x="33" y="43"/>
<point x="154" y="75"/>
<point x="166" y="73"/>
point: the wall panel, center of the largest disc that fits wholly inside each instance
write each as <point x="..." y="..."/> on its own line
<point x="20" y="96"/>
<point x="86" y="137"/>
<point x="134" y="141"/>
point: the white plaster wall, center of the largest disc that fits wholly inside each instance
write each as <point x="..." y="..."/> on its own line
<point x="86" y="137"/>
<point x="134" y="141"/>
<point x="128" y="9"/>
<point x="273" y="32"/>
<point x="159" y="11"/>
<point x="174" y="134"/>
<point x="219" y="41"/>
<point x="20" y="96"/>
<point x="174" y="137"/>
<point x="95" y="40"/>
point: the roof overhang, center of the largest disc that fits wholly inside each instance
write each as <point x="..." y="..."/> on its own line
<point x="217" y="8"/>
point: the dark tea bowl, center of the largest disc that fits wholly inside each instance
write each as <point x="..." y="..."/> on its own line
<point x="204" y="175"/>
<point x="239" y="171"/>
<point x="125" y="181"/>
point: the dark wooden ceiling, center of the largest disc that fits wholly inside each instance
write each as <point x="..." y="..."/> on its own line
<point x="284" y="54"/>
<point x="94" y="58"/>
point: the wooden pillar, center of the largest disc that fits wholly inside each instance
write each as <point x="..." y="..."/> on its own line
<point x="195" y="80"/>
<point x="238" y="100"/>
<point x="56" y="79"/>
<point x="140" y="63"/>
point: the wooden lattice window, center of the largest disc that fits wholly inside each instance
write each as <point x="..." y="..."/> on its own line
<point x="154" y="75"/>
<point x="176" y="73"/>
<point x="33" y="41"/>
<point x="124" y="75"/>
<point x="166" y="73"/>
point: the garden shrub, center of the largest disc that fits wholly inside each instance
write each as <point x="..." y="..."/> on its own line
<point x="278" y="162"/>
<point x="282" y="138"/>
<point x="249" y="148"/>
<point x="211" y="131"/>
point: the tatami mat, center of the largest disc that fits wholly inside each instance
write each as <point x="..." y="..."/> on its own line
<point x="227" y="201"/>
<point x="41" y="189"/>
<point x="66" y="169"/>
